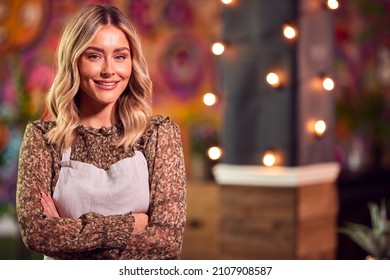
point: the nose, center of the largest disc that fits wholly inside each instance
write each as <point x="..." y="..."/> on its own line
<point x="107" y="69"/>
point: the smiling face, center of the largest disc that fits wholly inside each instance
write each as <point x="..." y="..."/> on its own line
<point x="105" y="69"/>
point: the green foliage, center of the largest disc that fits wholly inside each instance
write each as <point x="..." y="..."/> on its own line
<point x="375" y="240"/>
<point x="376" y="14"/>
<point x="366" y="114"/>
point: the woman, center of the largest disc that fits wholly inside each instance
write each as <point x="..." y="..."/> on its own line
<point x="103" y="179"/>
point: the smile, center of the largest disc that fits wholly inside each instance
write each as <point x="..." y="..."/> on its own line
<point x="106" y="85"/>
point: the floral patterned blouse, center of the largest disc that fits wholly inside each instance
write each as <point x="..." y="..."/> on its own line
<point x="92" y="235"/>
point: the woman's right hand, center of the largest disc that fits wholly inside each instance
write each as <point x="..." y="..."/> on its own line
<point x="140" y="222"/>
<point x="48" y="205"/>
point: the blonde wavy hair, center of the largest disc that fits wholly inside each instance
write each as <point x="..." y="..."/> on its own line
<point x="133" y="108"/>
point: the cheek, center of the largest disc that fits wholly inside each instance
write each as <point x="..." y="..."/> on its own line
<point x="87" y="70"/>
<point x="125" y="71"/>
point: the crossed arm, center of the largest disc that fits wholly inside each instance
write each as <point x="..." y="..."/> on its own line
<point x="50" y="209"/>
<point x="96" y="236"/>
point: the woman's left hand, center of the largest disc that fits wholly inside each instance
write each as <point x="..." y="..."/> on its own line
<point x="48" y="205"/>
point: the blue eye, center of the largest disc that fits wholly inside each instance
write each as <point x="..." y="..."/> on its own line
<point x="93" y="56"/>
<point x="120" y="57"/>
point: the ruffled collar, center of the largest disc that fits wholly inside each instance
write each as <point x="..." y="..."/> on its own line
<point x="104" y="130"/>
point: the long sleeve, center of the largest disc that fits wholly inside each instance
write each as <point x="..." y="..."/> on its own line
<point x="162" y="238"/>
<point x="59" y="236"/>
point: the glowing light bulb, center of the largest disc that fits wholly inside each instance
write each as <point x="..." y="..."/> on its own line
<point x="273" y="80"/>
<point x="289" y="31"/>
<point x="269" y="158"/>
<point x="328" y="83"/>
<point x="209" y="99"/>
<point x="319" y="128"/>
<point x="227" y="2"/>
<point x="332" y="4"/>
<point x="218" y="48"/>
<point x="214" y="153"/>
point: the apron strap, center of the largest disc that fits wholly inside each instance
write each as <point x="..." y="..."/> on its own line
<point x="65" y="161"/>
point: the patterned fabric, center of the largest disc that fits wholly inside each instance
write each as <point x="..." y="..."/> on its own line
<point x="94" y="236"/>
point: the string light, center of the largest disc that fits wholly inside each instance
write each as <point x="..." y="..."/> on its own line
<point x="289" y="31"/>
<point x="269" y="158"/>
<point x="319" y="128"/>
<point x="332" y="4"/>
<point x="214" y="153"/>
<point x="227" y="2"/>
<point x="273" y="80"/>
<point x="209" y="99"/>
<point x="218" y="48"/>
<point x="327" y="83"/>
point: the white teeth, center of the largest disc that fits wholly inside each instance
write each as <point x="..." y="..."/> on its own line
<point x="106" y="84"/>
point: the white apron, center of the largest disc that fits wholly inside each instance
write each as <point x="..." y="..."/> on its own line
<point x="83" y="187"/>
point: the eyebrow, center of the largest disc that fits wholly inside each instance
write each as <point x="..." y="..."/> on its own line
<point x="102" y="50"/>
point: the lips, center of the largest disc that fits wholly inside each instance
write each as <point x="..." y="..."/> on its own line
<point x="106" y="85"/>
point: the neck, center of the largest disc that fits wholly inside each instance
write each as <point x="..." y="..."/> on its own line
<point x="97" y="117"/>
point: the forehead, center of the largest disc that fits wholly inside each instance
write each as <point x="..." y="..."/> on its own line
<point x="109" y="35"/>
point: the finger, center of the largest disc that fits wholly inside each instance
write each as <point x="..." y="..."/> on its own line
<point x="49" y="205"/>
<point x="51" y="208"/>
<point x="44" y="196"/>
<point x="45" y="208"/>
<point x="48" y="200"/>
<point x="44" y="201"/>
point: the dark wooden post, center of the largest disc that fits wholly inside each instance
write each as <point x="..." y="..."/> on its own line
<point x="288" y="211"/>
